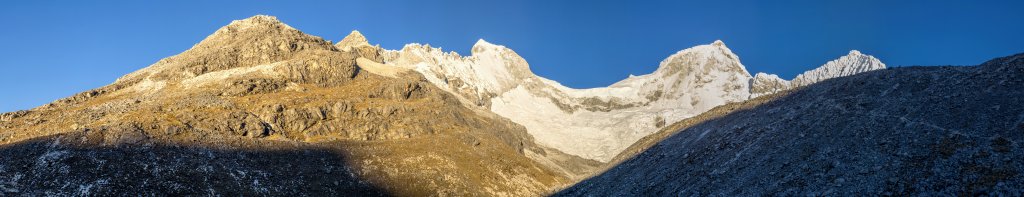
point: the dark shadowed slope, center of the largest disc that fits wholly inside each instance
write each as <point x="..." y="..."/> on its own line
<point x="911" y="130"/>
<point x="75" y="164"/>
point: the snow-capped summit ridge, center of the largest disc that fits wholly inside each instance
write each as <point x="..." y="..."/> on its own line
<point x="482" y="42"/>
<point x="717" y="54"/>
<point x="853" y="63"/>
<point x="718" y="43"/>
<point x="482" y="45"/>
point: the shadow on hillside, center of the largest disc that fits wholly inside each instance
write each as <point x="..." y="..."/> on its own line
<point x="907" y="130"/>
<point x="57" y="166"/>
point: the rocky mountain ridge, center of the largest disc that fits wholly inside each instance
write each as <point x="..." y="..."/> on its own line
<point x="280" y="109"/>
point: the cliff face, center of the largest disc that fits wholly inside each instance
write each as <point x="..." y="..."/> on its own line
<point x="301" y="107"/>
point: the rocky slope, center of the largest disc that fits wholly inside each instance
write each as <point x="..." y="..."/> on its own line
<point x="910" y="130"/>
<point x="598" y="123"/>
<point x="261" y="108"/>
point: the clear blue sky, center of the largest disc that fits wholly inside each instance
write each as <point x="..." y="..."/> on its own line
<point x="53" y="49"/>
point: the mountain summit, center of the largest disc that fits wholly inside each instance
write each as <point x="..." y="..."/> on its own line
<point x="352" y="40"/>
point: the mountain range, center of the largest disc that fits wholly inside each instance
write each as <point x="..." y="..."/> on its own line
<point x="598" y="123"/>
<point x="261" y="108"/>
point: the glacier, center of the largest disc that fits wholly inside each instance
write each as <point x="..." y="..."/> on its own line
<point x="598" y="123"/>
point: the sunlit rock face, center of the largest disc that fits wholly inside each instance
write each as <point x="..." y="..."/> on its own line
<point x="260" y="108"/>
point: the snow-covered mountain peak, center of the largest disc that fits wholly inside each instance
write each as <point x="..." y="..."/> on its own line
<point x="718" y="43"/>
<point x="852" y="63"/>
<point x="481" y="42"/>
<point x="482" y="45"/>
<point x="703" y="58"/>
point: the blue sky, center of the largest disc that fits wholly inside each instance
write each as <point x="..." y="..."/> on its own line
<point x="53" y="49"/>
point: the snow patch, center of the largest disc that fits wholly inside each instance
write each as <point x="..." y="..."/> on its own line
<point x="148" y="85"/>
<point x="379" y="69"/>
<point x="219" y="76"/>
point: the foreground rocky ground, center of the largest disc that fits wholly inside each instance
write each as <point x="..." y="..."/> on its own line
<point x="902" y="131"/>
